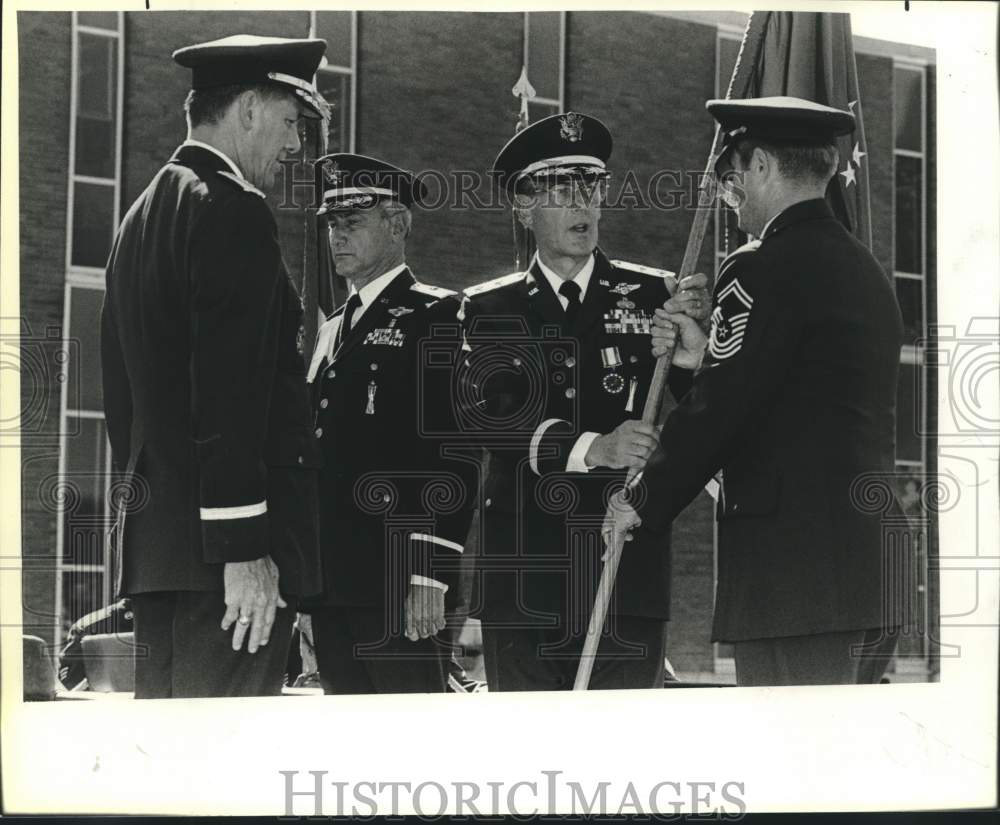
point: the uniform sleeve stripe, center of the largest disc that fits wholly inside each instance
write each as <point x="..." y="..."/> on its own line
<point x="451" y="545"/>
<point x="536" y="440"/>
<point x="225" y="513"/>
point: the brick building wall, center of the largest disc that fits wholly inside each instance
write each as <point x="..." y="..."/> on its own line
<point x="433" y="94"/>
<point x="44" y="67"/>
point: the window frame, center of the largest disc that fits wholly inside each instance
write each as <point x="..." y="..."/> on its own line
<point x="350" y="70"/>
<point x="93" y="272"/>
<point x="84" y="277"/>
<point x="910" y="354"/>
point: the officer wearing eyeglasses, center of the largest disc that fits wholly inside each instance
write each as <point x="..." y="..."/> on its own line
<point x="556" y="377"/>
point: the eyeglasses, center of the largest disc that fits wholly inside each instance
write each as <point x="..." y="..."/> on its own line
<point x="589" y="191"/>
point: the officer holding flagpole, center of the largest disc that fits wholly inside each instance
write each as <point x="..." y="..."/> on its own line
<point x="557" y="372"/>
<point x="792" y="396"/>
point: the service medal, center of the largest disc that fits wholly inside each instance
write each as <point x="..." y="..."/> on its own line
<point x="612" y="381"/>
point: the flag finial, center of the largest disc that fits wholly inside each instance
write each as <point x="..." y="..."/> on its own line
<point x="525" y="91"/>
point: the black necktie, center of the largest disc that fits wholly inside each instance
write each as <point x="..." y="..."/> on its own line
<point x="348" y="317"/>
<point x="570" y="290"/>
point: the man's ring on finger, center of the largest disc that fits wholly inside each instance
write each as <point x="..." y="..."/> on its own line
<point x="244" y="620"/>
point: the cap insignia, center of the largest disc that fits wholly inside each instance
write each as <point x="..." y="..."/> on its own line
<point x="571" y="127"/>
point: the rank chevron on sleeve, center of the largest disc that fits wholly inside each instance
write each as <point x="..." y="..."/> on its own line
<point x="729" y="320"/>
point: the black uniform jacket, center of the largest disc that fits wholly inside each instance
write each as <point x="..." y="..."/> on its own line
<point x="795" y="403"/>
<point x="533" y="387"/>
<point x="395" y="500"/>
<point x="204" y="385"/>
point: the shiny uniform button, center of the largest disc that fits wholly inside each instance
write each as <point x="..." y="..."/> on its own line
<point x="374" y="367"/>
<point x="324" y="404"/>
<point x="301" y="460"/>
<point x="489" y="502"/>
<point x="632" y="359"/>
<point x="319" y="432"/>
<point x="571" y="393"/>
<point x="331" y="373"/>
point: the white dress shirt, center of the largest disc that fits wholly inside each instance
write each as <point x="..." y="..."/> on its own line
<point x="370" y="291"/>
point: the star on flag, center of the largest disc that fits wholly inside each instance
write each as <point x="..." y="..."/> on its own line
<point x="850" y="173"/>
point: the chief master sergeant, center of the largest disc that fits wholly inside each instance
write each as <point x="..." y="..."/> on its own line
<point x="795" y="403"/>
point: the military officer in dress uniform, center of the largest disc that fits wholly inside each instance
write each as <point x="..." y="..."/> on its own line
<point x="559" y="367"/>
<point x="395" y="507"/>
<point x="795" y="403"/>
<point x="204" y="386"/>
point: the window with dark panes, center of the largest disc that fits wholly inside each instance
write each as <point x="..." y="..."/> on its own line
<point x="84" y="330"/>
<point x="85" y="488"/>
<point x="909" y="265"/>
<point x="909" y="414"/>
<point x="94" y="223"/>
<point x="910" y="275"/>
<point x="82" y="583"/>
<point x="909" y="214"/>
<point x="96" y="105"/>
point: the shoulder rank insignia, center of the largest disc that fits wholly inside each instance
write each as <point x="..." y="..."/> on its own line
<point x="437" y="292"/>
<point x="496" y="283"/>
<point x="729" y="320"/>
<point x="645" y="270"/>
<point x="395" y="312"/>
<point x="666" y="274"/>
<point x="244" y="184"/>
